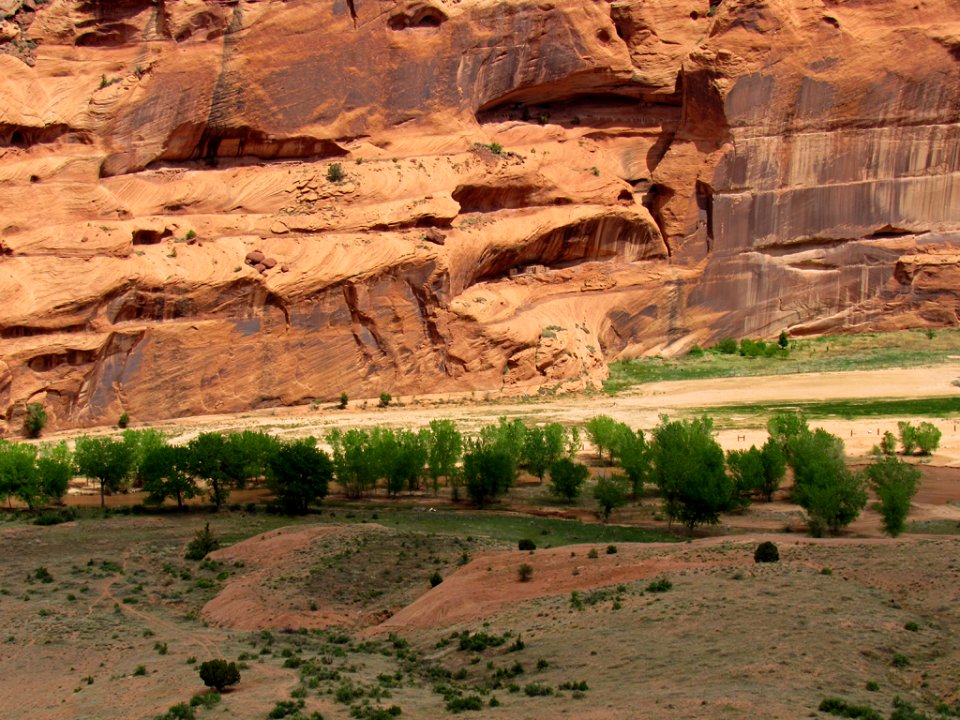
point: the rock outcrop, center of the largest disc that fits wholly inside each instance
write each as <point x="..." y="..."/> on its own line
<point x="216" y="206"/>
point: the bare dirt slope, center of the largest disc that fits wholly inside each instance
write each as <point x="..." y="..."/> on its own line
<point x="726" y="638"/>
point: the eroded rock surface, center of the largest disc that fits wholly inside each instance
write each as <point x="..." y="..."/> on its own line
<point x="208" y="207"/>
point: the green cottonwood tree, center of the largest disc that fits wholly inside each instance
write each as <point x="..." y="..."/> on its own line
<point x="106" y="459"/>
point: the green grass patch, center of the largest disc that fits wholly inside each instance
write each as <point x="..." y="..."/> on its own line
<point x="934" y="527"/>
<point x="934" y="407"/>
<point x="832" y="353"/>
<point x="551" y="532"/>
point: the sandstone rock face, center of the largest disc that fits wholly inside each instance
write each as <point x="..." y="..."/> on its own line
<point x="456" y="194"/>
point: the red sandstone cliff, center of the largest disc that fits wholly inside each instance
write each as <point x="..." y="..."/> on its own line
<point x="671" y="171"/>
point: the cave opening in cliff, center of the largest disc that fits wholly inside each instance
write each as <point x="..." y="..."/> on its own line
<point x="421" y="17"/>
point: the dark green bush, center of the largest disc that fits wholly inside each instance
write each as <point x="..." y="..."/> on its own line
<point x="842" y="708"/>
<point x="766" y="552"/>
<point x="335" y="173"/>
<point x="659" y="586"/>
<point x="219" y="674"/>
<point x="435" y="579"/>
<point x="527" y="544"/>
<point x="203" y="543"/>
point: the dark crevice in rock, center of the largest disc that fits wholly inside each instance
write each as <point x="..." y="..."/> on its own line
<point x="49" y="361"/>
<point x="20" y="331"/>
<point x="705" y="209"/>
<point x="889" y="232"/>
<point x="195" y="148"/>
<point x="150" y="237"/>
<point x="490" y="198"/>
<point x="655" y="198"/>
<point x="425" y="221"/>
<point x="24" y="136"/>
<point x="351" y="4"/>
<point x="545" y="103"/>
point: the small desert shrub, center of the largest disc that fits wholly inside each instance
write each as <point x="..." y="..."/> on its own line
<point x="43" y="575"/>
<point x="460" y="704"/>
<point x="35" y="420"/>
<point x="842" y="708"/>
<point x="593" y="554"/>
<point x="727" y="346"/>
<point x="335" y="173"/>
<point x="527" y="544"/>
<point x="140" y="671"/>
<point x="435" y="579"/>
<point x="203" y="543"/>
<point x="766" y="552"/>
<point x="611" y="549"/>
<point x="537" y="690"/>
<point x="123" y="420"/>
<point x="385" y="399"/>
<point x="911" y="626"/>
<point x="872" y="686"/>
<point x="180" y="711"/>
<point x="524" y="573"/>
<point x="206" y="700"/>
<point x="659" y="586"/>
<point x="900" y="661"/>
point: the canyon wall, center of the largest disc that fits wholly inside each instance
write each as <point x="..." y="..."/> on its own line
<point x="217" y="206"/>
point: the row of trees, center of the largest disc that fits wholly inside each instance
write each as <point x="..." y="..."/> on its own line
<point x="697" y="482"/>
<point x="694" y="478"/>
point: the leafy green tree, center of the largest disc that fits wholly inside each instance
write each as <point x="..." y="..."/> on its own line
<point x="18" y="473"/>
<point x="507" y="437"/>
<point x="610" y="493"/>
<point x="106" y="459"/>
<point x="354" y="464"/>
<point x="689" y="471"/>
<point x="757" y="471"/>
<point x="602" y="431"/>
<point x="208" y="459"/>
<point x="928" y="438"/>
<point x="247" y="456"/>
<point x="831" y="494"/>
<point x="633" y="455"/>
<point x="35" y="420"/>
<point x="399" y="457"/>
<point x="543" y="446"/>
<point x="344" y="399"/>
<point x="300" y="474"/>
<point x="219" y="674"/>
<point x="166" y="472"/>
<point x="783" y="341"/>
<point x="385" y="399"/>
<point x="746" y="469"/>
<point x="54" y="470"/>
<point x="888" y="444"/>
<point x="923" y="439"/>
<point x="784" y="426"/>
<point x="774" y="468"/>
<point x="488" y="472"/>
<point x="567" y="478"/>
<point x="139" y="443"/>
<point x="895" y="483"/>
<point x="908" y="437"/>
<point x="444" y="450"/>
